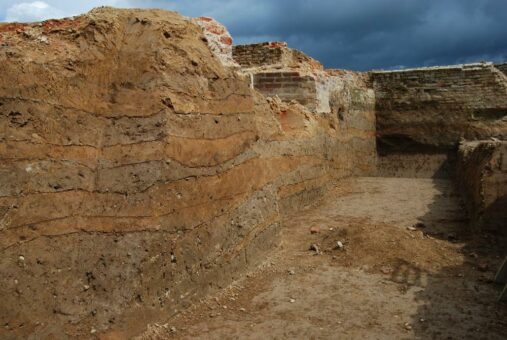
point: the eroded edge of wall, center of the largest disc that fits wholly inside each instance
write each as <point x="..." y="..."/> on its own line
<point x="482" y="179"/>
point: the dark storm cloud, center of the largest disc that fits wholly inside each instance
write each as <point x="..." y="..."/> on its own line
<point x="370" y="34"/>
<point x="354" y="34"/>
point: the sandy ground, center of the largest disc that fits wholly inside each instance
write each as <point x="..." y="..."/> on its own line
<point x="408" y="269"/>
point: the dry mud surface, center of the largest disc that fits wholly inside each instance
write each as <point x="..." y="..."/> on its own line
<point x="389" y="282"/>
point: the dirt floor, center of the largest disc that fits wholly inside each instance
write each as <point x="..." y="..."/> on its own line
<point x="407" y="269"/>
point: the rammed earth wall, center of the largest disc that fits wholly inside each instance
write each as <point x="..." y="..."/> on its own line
<point x="138" y="172"/>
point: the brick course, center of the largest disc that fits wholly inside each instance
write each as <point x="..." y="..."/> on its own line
<point x="287" y="86"/>
<point x="438" y="106"/>
<point x="258" y="54"/>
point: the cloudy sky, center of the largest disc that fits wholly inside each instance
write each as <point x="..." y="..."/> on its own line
<point x="352" y="34"/>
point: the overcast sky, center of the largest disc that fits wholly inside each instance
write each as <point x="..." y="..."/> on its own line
<point x="352" y="34"/>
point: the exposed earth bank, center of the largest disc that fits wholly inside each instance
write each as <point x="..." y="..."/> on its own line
<point x="138" y="172"/>
<point x="407" y="270"/>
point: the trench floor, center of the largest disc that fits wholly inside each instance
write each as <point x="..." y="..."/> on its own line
<point x="408" y="269"/>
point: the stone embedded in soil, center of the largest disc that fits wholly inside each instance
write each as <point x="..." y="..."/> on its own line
<point x="315" y="229"/>
<point x="315" y="248"/>
<point x="340" y="245"/>
<point x="386" y="270"/>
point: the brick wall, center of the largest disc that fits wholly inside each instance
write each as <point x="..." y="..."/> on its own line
<point x="426" y="111"/>
<point x="287" y="86"/>
<point x="438" y="106"/>
<point x="469" y="89"/>
<point x="267" y="53"/>
<point x="277" y="70"/>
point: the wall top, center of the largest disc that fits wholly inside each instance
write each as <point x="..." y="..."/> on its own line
<point x="470" y="66"/>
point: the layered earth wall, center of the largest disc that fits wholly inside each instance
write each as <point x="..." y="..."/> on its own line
<point x="138" y="172"/>
<point x="146" y="161"/>
<point x="344" y="97"/>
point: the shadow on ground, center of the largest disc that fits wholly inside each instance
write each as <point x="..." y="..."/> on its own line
<point x="462" y="295"/>
<point x="391" y="280"/>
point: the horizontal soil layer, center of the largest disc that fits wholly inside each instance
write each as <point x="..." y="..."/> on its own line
<point x="408" y="269"/>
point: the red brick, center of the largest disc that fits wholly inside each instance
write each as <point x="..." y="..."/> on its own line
<point x="273" y="75"/>
<point x="290" y="74"/>
<point x="277" y="44"/>
<point x="49" y="25"/>
<point x="15" y="27"/>
<point x="268" y="86"/>
<point x="215" y="29"/>
<point x="263" y="80"/>
<point x="226" y="40"/>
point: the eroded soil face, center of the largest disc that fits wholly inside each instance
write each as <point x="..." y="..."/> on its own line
<point x="391" y="280"/>
<point x="138" y="173"/>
